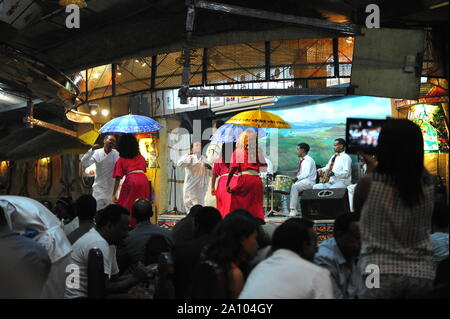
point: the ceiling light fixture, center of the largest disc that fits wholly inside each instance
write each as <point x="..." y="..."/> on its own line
<point x="105" y="112"/>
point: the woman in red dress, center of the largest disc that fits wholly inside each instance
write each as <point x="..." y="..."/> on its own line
<point x="248" y="193"/>
<point x="131" y="164"/>
<point x="220" y="171"/>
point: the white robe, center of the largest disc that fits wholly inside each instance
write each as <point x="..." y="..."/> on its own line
<point x="213" y="153"/>
<point x="22" y="213"/>
<point x="103" y="187"/>
<point x="195" y="181"/>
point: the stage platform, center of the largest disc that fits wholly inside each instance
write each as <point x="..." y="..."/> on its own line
<point x="323" y="228"/>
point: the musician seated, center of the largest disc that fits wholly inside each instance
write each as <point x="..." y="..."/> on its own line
<point x="338" y="172"/>
<point x="306" y="176"/>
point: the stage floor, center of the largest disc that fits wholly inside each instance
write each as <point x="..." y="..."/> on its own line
<point x="323" y="228"/>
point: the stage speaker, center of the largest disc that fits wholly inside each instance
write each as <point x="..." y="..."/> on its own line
<point x="320" y="204"/>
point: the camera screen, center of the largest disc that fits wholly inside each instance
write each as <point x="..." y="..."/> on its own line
<point x="362" y="134"/>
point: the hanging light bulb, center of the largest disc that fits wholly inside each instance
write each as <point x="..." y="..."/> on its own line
<point x="349" y="40"/>
<point x="105" y="112"/>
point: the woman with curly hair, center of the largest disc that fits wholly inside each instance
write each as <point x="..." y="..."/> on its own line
<point x="132" y="166"/>
<point x="248" y="193"/>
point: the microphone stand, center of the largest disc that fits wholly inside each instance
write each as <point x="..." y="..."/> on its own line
<point x="174" y="179"/>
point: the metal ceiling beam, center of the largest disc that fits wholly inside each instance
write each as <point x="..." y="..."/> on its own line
<point x="344" y="28"/>
<point x="268" y="92"/>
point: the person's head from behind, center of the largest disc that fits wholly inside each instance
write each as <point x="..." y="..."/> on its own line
<point x="112" y="223"/>
<point x="194" y="210"/>
<point x="302" y="149"/>
<point x="86" y="207"/>
<point x="234" y="240"/>
<point x="347" y="234"/>
<point x="128" y="146"/>
<point x="196" y="147"/>
<point x="206" y="220"/>
<point x="48" y="204"/>
<point x="339" y="145"/>
<point x="261" y="236"/>
<point x="142" y="210"/>
<point x="64" y="209"/>
<point x="306" y="243"/>
<point x="400" y="156"/>
<point x="217" y="124"/>
<point x="440" y="219"/>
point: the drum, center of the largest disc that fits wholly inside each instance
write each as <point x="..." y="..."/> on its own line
<point x="283" y="184"/>
<point x="276" y="201"/>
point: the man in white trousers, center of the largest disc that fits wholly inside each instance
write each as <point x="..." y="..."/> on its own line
<point x="104" y="159"/>
<point x="306" y="176"/>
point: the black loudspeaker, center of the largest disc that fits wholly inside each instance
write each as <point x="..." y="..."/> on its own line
<point x="319" y="204"/>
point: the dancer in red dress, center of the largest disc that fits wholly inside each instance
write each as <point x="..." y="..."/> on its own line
<point x="131" y="164"/>
<point x="220" y="172"/>
<point x="248" y="193"/>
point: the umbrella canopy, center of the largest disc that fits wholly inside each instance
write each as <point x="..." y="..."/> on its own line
<point x="131" y="124"/>
<point x="228" y="133"/>
<point x="258" y="118"/>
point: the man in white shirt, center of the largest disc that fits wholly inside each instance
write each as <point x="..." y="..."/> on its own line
<point x="306" y="176"/>
<point x="104" y="159"/>
<point x="111" y="228"/>
<point x="339" y="167"/>
<point x="213" y="153"/>
<point x="197" y="173"/>
<point x="289" y="273"/>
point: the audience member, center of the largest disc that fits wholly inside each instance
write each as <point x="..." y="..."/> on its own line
<point x="29" y="217"/>
<point x="340" y="256"/>
<point x="186" y="255"/>
<point x="132" y="249"/>
<point x="184" y="229"/>
<point x="85" y="207"/>
<point x="218" y="275"/>
<point x="111" y="227"/>
<point x="65" y="210"/>
<point x="25" y="264"/>
<point x="439" y="237"/>
<point x="396" y="204"/>
<point x="441" y="288"/>
<point x="290" y="272"/>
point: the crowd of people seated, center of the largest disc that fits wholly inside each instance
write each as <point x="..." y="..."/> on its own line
<point x="395" y="244"/>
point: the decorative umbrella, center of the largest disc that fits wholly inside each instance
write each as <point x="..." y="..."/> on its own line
<point x="228" y="133"/>
<point x="258" y="118"/>
<point x="131" y="124"/>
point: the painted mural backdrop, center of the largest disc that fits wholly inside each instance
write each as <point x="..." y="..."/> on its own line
<point x="430" y="118"/>
<point x="319" y="125"/>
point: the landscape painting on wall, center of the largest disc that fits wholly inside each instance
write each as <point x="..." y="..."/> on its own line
<point x="319" y="125"/>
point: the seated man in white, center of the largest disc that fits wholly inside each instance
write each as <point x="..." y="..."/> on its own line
<point x="290" y="272"/>
<point x="306" y="176"/>
<point x="339" y="168"/>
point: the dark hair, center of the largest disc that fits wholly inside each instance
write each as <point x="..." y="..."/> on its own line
<point x="291" y="235"/>
<point x="341" y="141"/>
<point x="47" y="204"/>
<point x="304" y="146"/>
<point x="68" y="204"/>
<point x="128" y="146"/>
<point x="308" y="223"/>
<point x="400" y="157"/>
<point x="245" y="213"/>
<point x="440" y="216"/>
<point x="111" y="214"/>
<point x="142" y="210"/>
<point x="86" y="207"/>
<point x="194" y="210"/>
<point x="3" y="221"/>
<point x="342" y="222"/>
<point x="107" y="135"/>
<point x="207" y="219"/>
<point x="192" y="144"/>
<point x="219" y="123"/>
<point x="226" y="246"/>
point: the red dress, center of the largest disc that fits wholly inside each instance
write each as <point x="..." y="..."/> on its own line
<point x="135" y="185"/>
<point x="223" y="198"/>
<point x="248" y="193"/>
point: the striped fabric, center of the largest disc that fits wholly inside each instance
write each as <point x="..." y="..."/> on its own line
<point x="395" y="237"/>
